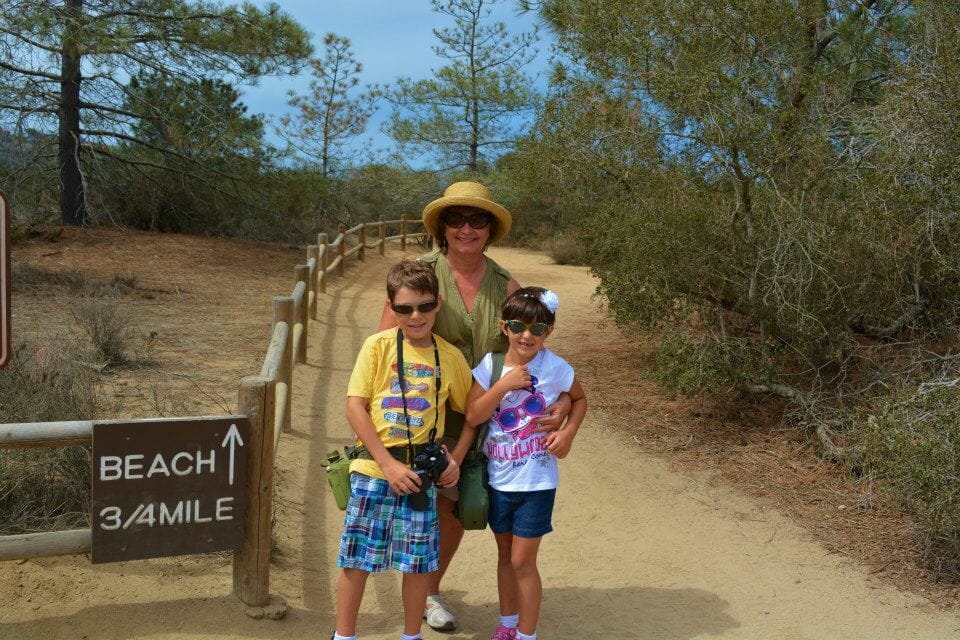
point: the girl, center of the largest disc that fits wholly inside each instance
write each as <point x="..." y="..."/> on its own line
<point x="522" y="462"/>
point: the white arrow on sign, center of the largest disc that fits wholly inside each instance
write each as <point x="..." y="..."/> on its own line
<point x="234" y="439"/>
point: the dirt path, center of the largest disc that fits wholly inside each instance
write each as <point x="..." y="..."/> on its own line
<point x="640" y="551"/>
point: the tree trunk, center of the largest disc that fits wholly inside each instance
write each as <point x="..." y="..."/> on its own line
<point x="73" y="205"/>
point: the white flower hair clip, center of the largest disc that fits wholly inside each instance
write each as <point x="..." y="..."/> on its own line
<point x="550" y="301"/>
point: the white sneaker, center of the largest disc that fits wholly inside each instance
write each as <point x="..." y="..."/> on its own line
<point x="438" y="616"/>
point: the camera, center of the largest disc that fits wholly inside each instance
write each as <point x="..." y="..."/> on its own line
<point x="429" y="465"/>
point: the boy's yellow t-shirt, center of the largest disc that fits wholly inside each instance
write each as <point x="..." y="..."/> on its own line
<point x="375" y="377"/>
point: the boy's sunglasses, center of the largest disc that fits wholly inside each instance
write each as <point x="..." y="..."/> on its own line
<point x="456" y="220"/>
<point x="407" y="309"/>
<point x="537" y="328"/>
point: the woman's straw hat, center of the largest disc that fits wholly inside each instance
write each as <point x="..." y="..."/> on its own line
<point x="468" y="194"/>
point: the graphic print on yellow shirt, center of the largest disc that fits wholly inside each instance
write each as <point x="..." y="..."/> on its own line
<point x="375" y="378"/>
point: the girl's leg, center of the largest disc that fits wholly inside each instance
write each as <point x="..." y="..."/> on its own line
<point x="414" y="591"/>
<point x="506" y="577"/>
<point x="349" y="595"/>
<point x="523" y="560"/>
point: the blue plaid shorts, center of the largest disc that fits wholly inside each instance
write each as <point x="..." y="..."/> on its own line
<point x="380" y="530"/>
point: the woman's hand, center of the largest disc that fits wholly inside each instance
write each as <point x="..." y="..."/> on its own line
<point x="402" y="478"/>
<point x="552" y="419"/>
<point x="559" y="443"/>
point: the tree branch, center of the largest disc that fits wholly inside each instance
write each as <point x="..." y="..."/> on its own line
<point x="29" y="72"/>
<point x="892" y="329"/>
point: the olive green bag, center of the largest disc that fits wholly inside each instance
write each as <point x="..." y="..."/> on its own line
<point x="474" y="503"/>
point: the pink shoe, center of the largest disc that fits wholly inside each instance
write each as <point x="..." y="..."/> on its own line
<point x="504" y="633"/>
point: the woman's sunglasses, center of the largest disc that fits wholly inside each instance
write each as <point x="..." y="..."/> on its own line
<point x="537" y="328"/>
<point x="456" y="220"/>
<point x="407" y="309"/>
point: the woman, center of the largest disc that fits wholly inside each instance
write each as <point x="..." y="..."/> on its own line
<point x="464" y="222"/>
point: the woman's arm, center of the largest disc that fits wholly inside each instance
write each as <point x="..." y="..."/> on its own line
<point x="554" y="415"/>
<point x="559" y="442"/>
<point x="387" y="319"/>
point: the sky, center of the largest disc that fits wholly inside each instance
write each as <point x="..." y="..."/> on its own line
<point x="390" y="38"/>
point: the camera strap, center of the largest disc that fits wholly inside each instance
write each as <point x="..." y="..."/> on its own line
<point x="403" y="392"/>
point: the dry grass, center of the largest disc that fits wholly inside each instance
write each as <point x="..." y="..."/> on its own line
<point x="42" y="489"/>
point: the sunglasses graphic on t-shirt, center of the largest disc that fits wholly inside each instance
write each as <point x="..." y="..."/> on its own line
<point x="520" y="420"/>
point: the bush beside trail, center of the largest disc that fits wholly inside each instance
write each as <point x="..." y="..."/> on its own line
<point x="42" y="489"/>
<point x="784" y="213"/>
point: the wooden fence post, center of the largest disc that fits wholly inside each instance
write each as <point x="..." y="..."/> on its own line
<point x="251" y="563"/>
<point x="313" y="253"/>
<point x="283" y="312"/>
<point x="363" y="241"/>
<point x="342" y="229"/>
<point x="382" y="235"/>
<point x="324" y="259"/>
<point x="301" y="273"/>
<point x="403" y="232"/>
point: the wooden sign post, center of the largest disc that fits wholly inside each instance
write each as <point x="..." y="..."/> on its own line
<point x="4" y="281"/>
<point x="168" y="487"/>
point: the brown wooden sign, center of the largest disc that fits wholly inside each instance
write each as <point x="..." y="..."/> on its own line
<point x="4" y="281"/>
<point x="168" y="487"/>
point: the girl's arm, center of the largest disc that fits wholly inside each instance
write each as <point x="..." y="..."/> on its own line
<point x="481" y="404"/>
<point x="401" y="478"/>
<point x="559" y="442"/>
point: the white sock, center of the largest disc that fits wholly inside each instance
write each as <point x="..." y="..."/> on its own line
<point x="337" y="636"/>
<point x="510" y="622"/>
<point x="523" y="636"/>
<point x="416" y="636"/>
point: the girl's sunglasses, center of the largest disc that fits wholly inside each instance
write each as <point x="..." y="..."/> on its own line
<point x="537" y="328"/>
<point x="407" y="309"/>
<point x="456" y="220"/>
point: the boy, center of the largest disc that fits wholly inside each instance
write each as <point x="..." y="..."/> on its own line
<point x="396" y="401"/>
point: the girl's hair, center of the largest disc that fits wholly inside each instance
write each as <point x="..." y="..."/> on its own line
<point x="414" y="274"/>
<point x="442" y="231"/>
<point x="525" y="305"/>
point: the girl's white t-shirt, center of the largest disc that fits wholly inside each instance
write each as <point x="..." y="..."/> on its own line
<point x="518" y="458"/>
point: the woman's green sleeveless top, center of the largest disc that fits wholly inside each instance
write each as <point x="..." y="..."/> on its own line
<point x="476" y="332"/>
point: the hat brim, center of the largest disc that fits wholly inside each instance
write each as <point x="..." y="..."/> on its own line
<point x="433" y="211"/>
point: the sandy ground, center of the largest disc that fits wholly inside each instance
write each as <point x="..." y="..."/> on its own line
<point x="641" y="550"/>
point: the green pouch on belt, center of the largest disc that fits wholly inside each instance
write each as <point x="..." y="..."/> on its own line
<point x="338" y="475"/>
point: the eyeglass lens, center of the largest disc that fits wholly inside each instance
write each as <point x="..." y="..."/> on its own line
<point x="456" y="220"/>
<point x="407" y="309"/>
<point x="537" y="328"/>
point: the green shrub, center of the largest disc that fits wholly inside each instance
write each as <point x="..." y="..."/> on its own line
<point x="911" y="448"/>
<point x="45" y="488"/>
<point x="565" y="249"/>
<point x="689" y="365"/>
